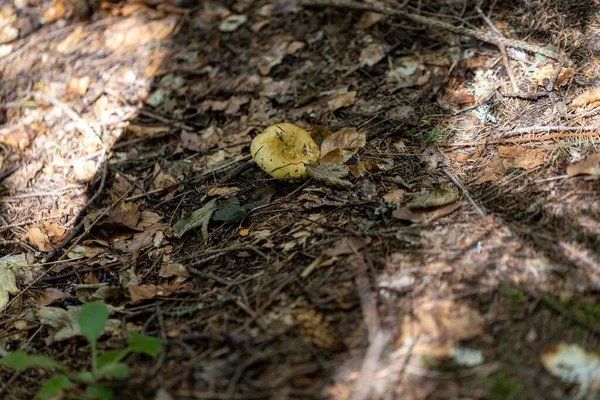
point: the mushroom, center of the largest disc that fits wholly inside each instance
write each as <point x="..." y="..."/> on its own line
<point x="283" y="150"/>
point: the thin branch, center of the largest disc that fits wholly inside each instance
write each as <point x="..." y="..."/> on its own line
<point x="436" y="24"/>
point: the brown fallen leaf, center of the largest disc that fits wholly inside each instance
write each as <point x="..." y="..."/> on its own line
<point x="426" y="215"/>
<point x="222" y="190"/>
<point x="313" y="326"/>
<point x="440" y="196"/>
<point x="124" y="215"/>
<point x="135" y="31"/>
<point x="342" y="100"/>
<point x="50" y="296"/>
<point x="517" y="157"/>
<point x="492" y="171"/>
<point x="39" y="239"/>
<point x="395" y="196"/>
<point x="338" y="147"/>
<point x="140" y="240"/>
<point x="589" y="166"/>
<point x="435" y="327"/>
<point x="148" y="292"/>
<point x="15" y="137"/>
<point x="371" y="55"/>
<point x="588" y="97"/>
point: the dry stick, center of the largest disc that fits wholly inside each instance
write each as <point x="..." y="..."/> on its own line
<point x="521" y="139"/>
<point x="502" y="48"/>
<point x="367" y="297"/>
<point x="465" y="191"/>
<point x="437" y="24"/>
<point x="75" y="231"/>
<point x="369" y="367"/>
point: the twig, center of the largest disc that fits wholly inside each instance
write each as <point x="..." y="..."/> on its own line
<point x="502" y="48"/>
<point x="437" y="24"/>
<point x="521" y="139"/>
<point x="526" y="96"/>
<point x="99" y="191"/>
<point x="11" y="171"/>
<point x="367" y="297"/>
<point x="369" y="367"/>
<point x="465" y="191"/>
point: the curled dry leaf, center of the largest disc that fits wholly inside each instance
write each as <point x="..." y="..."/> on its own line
<point x="63" y="323"/>
<point x="589" y="166"/>
<point x="338" y="147"/>
<point x="330" y="175"/>
<point x="342" y="100"/>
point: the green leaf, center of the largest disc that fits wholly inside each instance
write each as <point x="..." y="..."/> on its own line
<point x="112" y="356"/>
<point x="92" y="318"/>
<point x="85" y="376"/>
<point x="145" y="344"/>
<point x="114" y="370"/>
<point x="21" y="361"/>
<point x="99" y="392"/>
<point x="53" y="386"/>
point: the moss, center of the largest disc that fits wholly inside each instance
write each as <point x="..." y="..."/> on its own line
<point x="502" y="387"/>
<point x="514" y="295"/>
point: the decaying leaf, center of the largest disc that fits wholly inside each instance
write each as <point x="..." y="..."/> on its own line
<point x="63" y="323"/>
<point x="233" y="22"/>
<point x="39" y="239"/>
<point x="312" y="325"/>
<point x="426" y="215"/>
<point x="143" y="239"/>
<point x="50" y="296"/>
<point x="589" y="166"/>
<point x="330" y="174"/>
<point x="124" y="215"/>
<point x="199" y="218"/>
<point x="371" y="55"/>
<point x="147" y="292"/>
<point x="590" y="96"/>
<point x="492" y="171"/>
<point x="342" y="100"/>
<point x="571" y="363"/>
<point x="8" y="282"/>
<point x="437" y="197"/>
<point x="338" y="147"/>
<point x="435" y="327"/>
<point x="95" y="291"/>
<point x="395" y="196"/>
<point x="517" y="157"/>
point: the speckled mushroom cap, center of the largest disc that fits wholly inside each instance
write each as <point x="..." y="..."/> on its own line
<point x="283" y="150"/>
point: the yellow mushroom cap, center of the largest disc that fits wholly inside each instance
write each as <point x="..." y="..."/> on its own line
<point x="283" y="150"/>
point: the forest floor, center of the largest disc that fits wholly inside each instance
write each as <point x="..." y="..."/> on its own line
<point x="458" y="259"/>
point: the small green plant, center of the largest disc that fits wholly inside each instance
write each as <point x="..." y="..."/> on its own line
<point x="435" y="135"/>
<point x="514" y="295"/>
<point x="502" y="387"/>
<point x="91" y="320"/>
